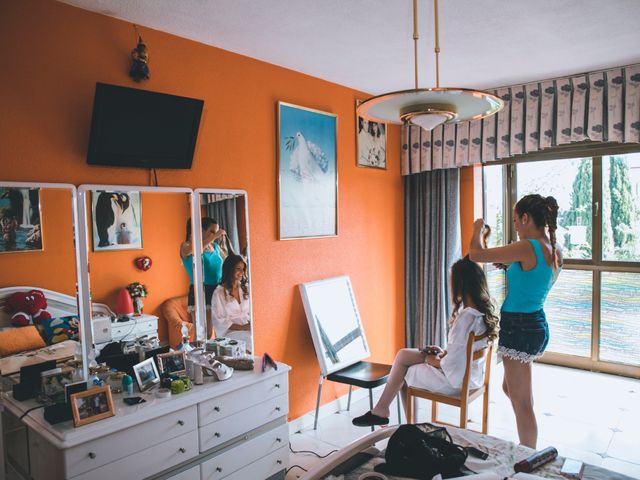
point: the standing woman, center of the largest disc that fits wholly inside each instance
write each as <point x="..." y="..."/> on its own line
<point x="211" y="263"/>
<point x="533" y="266"/>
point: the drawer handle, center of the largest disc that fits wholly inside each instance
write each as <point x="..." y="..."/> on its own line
<point x="92" y="455"/>
<point x="181" y="422"/>
<point x="277" y="385"/>
<point x="279" y="440"/>
<point x="277" y="409"/>
<point x="216" y="435"/>
<point x="217" y="409"/>
<point x="182" y="450"/>
<point x="218" y="469"/>
<point x="279" y="462"/>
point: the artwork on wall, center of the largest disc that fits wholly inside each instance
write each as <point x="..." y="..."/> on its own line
<point x="371" y="141"/>
<point x="20" y="225"/>
<point x="307" y="173"/>
<point x="116" y="220"/>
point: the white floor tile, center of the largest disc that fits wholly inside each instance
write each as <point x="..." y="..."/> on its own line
<point x="626" y="468"/>
<point x="625" y="446"/>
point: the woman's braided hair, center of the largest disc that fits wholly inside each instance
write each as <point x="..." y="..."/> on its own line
<point x="544" y="212"/>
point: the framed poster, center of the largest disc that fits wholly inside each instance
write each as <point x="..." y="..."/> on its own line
<point x="116" y="220"/>
<point x="307" y="173"/>
<point x="371" y="143"/>
<point x="20" y="226"/>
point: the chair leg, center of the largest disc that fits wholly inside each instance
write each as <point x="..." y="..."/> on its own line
<point x="349" y="399"/>
<point x="315" y="421"/>
<point x="463" y="415"/>
<point x="485" y="411"/>
<point x="399" y="414"/>
<point x="371" y="405"/>
<point x="409" y="404"/>
<point x="434" y="411"/>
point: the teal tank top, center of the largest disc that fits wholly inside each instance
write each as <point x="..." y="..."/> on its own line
<point x="527" y="290"/>
<point x="211" y="264"/>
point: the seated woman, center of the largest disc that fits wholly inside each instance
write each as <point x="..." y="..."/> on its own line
<point x="230" y="306"/>
<point x="433" y="368"/>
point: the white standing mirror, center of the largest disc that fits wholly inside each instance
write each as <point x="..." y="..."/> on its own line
<point x="39" y="311"/>
<point x="225" y="293"/>
<point x="131" y="240"/>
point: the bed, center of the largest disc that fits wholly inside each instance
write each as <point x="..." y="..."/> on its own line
<point x="503" y="455"/>
<point x="59" y="305"/>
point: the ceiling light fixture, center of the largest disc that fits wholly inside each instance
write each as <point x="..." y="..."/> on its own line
<point x="429" y="107"/>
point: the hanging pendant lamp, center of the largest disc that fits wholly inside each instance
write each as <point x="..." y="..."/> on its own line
<point x="429" y="107"/>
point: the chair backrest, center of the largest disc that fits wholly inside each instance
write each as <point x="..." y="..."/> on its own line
<point x="485" y="352"/>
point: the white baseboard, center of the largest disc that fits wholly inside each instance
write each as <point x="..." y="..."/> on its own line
<point x="337" y="405"/>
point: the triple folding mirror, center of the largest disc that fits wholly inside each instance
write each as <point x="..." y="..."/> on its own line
<point x="164" y="262"/>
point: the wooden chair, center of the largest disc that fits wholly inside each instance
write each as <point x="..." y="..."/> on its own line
<point x="466" y="395"/>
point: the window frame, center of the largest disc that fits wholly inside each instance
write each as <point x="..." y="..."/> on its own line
<point x="596" y="265"/>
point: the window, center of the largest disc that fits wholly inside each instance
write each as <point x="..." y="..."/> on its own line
<point x="594" y="308"/>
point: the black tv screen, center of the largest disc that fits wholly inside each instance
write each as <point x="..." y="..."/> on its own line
<point x="138" y="128"/>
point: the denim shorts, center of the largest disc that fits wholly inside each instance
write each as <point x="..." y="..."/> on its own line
<point x="523" y="336"/>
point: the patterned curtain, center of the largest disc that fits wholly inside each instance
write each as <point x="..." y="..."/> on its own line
<point x="432" y="244"/>
<point x="601" y="106"/>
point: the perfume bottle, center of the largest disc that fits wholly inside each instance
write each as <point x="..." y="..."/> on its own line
<point x="185" y="339"/>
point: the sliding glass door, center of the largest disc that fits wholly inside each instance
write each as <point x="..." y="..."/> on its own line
<point x="594" y="307"/>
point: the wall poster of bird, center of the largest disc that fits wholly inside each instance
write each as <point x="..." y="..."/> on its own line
<point x="117" y="221"/>
<point x="307" y="173"/>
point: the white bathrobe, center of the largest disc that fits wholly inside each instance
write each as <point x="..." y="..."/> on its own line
<point x="447" y="379"/>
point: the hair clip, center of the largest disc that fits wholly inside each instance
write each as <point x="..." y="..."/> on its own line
<point x="267" y="361"/>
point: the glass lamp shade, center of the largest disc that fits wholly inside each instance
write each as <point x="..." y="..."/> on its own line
<point x="430" y="107"/>
<point x="124" y="304"/>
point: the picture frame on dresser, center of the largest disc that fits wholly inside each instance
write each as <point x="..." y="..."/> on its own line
<point x="146" y="374"/>
<point x="172" y="362"/>
<point x="91" y="406"/>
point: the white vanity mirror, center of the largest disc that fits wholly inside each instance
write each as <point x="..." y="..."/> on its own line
<point x="39" y="317"/>
<point x="225" y="293"/>
<point x="132" y="238"/>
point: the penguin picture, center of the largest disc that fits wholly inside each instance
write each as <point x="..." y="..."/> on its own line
<point x="111" y="210"/>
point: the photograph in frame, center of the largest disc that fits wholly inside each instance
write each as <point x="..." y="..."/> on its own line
<point x="307" y="172"/>
<point x="116" y="220"/>
<point x="20" y="220"/>
<point x="146" y="374"/>
<point x="173" y="362"/>
<point x="371" y="143"/>
<point x="91" y="405"/>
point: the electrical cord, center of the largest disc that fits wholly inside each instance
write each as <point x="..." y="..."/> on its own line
<point x="294" y="466"/>
<point x="311" y="452"/>
<point x="31" y="410"/>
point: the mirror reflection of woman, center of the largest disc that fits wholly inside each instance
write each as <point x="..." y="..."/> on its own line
<point x="230" y="306"/>
<point x="211" y="263"/>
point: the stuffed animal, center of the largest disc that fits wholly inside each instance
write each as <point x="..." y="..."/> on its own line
<point x="65" y="328"/>
<point x="27" y="308"/>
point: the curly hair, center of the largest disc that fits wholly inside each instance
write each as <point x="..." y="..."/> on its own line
<point x="544" y="212"/>
<point x="468" y="280"/>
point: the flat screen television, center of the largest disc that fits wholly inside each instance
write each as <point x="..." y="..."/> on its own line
<point x="138" y="128"/>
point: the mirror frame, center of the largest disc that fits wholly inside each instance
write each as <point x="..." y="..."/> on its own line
<point x="84" y="192"/>
<point x="85" y="334"/>
<point x="197" y="245"/>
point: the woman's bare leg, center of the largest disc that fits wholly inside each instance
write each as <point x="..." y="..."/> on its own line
<point x="404" y="359"/>
<point x="517" y="376"/>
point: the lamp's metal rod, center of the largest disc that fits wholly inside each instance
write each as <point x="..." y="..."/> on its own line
<point x="415" y="40"/>
<point x="437" y="49"/>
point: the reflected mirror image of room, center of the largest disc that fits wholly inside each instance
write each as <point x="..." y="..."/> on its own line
<point x="320" y="240"/>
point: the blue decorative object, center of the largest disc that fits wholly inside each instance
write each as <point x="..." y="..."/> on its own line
<point x="56" y="330"/>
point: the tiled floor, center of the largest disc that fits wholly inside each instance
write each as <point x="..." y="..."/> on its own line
<point x="588" y="416"/>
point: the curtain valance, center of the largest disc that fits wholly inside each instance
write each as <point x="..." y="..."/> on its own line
<point x="599" y="106"/>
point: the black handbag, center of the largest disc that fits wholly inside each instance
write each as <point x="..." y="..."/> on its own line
<point x="422" y="451"/>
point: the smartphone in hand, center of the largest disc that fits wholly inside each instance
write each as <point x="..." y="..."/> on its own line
<point x="430" y="350"/>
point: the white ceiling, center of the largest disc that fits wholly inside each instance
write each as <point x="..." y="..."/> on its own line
<point x="367" y="44"/>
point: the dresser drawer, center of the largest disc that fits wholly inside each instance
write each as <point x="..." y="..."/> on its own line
<point x="217" y="433"/>
<point x="225" y="405"/>
<point x="245" y="453"/>
<point x="192" y="474"/>
<point x="148" y="462"/>
<point x="106" y="449"/>
<point x="130" y="330"/>
<point x="264" y="467"/>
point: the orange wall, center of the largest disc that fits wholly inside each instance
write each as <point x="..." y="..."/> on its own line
<point x="470" y="202"/>
<point x="54" y="54"/>
<point x="53" y="268"/>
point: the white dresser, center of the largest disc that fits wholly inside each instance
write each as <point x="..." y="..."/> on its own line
<point x="105" y="331"/>
<point x="235" y="430"/>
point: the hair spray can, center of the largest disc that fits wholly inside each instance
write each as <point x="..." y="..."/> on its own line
<point x="198" y="377"/>
<point x="536" y="460"/>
